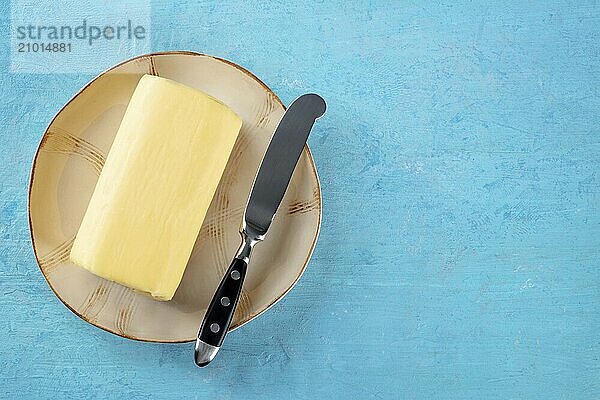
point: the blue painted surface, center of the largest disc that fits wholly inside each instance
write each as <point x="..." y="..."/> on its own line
<point x="459" y="252"/>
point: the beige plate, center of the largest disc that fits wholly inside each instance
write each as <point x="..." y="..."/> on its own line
<point x="70" y="158"/>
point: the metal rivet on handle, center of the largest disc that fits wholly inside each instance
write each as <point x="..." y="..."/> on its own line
<point x="214" y="328"/>
<point x="235" y="274"/>
<point x="225" y="301"/>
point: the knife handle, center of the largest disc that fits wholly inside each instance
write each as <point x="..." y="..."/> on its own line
<point x="220" y="312"/>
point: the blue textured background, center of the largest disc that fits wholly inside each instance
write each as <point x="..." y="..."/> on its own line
<point x="459" y="252"/>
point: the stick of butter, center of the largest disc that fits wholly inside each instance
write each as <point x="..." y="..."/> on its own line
<point x="156" y="186"/>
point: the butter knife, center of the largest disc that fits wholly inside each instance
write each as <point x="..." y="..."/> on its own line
<point x="268" y="189"/>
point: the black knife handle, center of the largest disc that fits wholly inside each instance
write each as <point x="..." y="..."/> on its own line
<point x="222" y="306"/>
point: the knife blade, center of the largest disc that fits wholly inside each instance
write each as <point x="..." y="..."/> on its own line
<point x="268" y="190"/>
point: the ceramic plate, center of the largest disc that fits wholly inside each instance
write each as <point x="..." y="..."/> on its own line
<point x="69" y="160"/>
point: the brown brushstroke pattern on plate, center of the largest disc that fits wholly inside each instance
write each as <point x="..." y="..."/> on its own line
<point x="60" y="141"/>
<point x="266" y="108"/>
<point x="95" y="302"/>
<point x="56" y="257"/>
<point x="304" y="206"/>
<point x="152" y="66"/>
<point x="126" y="306"/>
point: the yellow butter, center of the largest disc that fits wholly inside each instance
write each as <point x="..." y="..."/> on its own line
<point x="156" y="186"/>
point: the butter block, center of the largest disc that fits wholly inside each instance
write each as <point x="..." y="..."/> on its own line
<point x="159" y="178"/>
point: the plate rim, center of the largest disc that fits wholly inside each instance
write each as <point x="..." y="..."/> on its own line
<point x="132" y="59"/>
